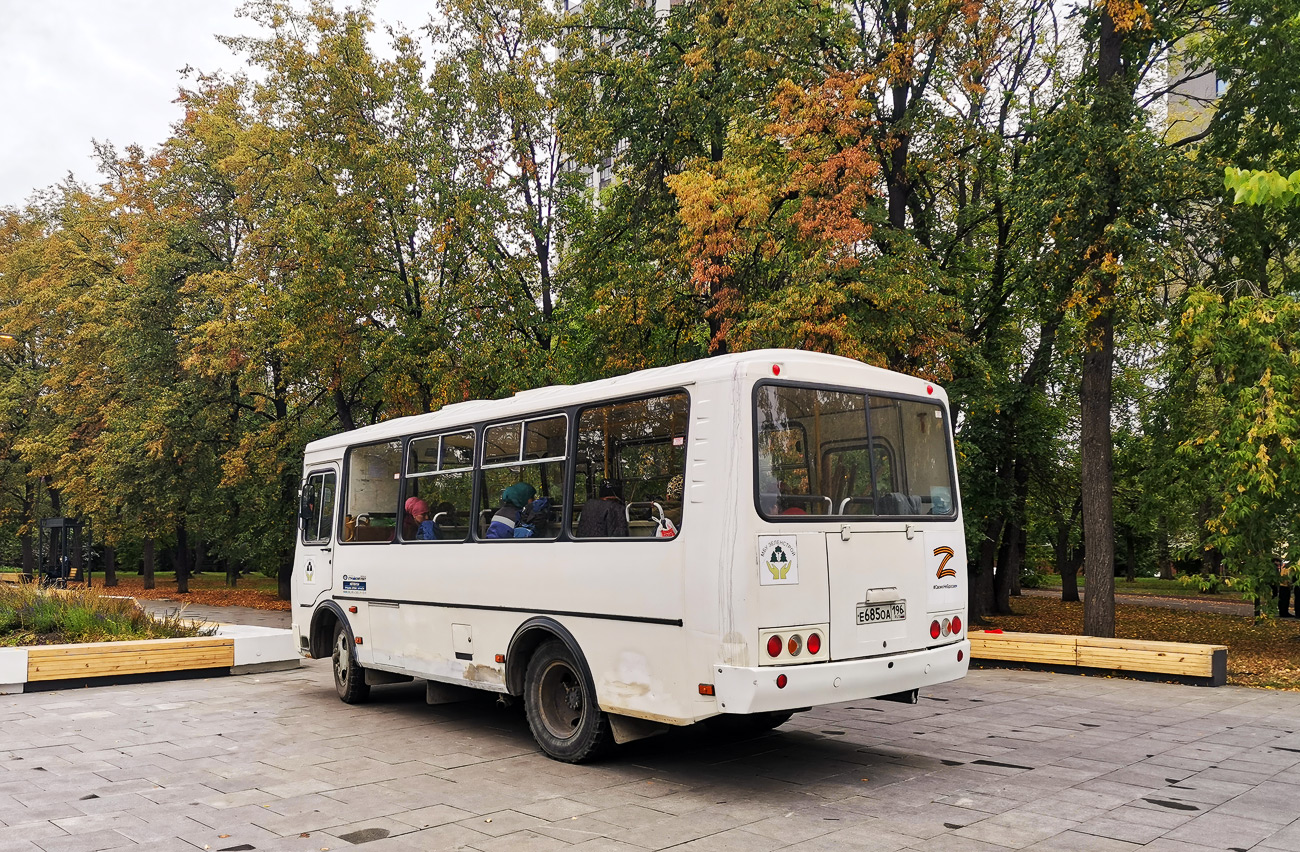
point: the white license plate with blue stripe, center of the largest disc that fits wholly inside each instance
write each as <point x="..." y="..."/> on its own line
<point x="877" y="613"/>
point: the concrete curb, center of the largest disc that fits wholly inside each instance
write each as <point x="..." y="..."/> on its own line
<point x="238" y="648"/>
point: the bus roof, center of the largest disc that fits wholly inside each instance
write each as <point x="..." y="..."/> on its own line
<point x="796" y="365"/>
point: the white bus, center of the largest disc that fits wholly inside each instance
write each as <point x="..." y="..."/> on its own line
<point x="765" y="532"/>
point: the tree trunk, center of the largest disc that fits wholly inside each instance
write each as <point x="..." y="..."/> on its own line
<point x="1162" y="549"/>
<point x="1009" y="558"/>
<point x="343" y="411"/>
<point x="1097" y="470"/>
<point x="29" y="555"/>
<point x="1022" y="548"/>
<point x="1111" y="104"/>
<point x="284" y="576"/>
<point x="110" y="566"/>
<point x="182" y="560"/>
<point x="148" y="563"/>
<point x="29" y="518"/>
<point x="1065" y="565"/>
<point x="232" y="573"/>
<point x="981" y="585"/>
<point x="1130" y="557"/>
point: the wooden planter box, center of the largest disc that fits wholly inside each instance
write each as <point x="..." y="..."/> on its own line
<point x="1207" y="664"/>
<point x="235" y="649"/>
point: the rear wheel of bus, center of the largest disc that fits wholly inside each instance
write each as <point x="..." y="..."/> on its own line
<point x="349" y="678"/>
<point x="560" y="702"/>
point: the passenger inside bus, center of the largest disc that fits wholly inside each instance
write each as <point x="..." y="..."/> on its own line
<point x="604" y="516"/>
<point x="514" y="500"/>
<point x="418" y="524"/>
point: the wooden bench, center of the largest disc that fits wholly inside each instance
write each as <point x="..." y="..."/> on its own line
<point x="106" y="659"/>
<point x="11" y="577"/>
<point x="1207" y="664"/>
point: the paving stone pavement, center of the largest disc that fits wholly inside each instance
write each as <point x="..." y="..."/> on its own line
<point x="218" y="614"/>
<point x="1000" y="760"/>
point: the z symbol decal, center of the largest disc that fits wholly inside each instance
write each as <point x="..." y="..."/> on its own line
<point x="946" y="553"/>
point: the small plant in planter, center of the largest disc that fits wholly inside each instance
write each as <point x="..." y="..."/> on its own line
<point x="31" y="615"/>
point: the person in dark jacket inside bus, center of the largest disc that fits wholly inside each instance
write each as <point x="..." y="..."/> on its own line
<point x="513" y="502"/>
<point x="604" y="516"/>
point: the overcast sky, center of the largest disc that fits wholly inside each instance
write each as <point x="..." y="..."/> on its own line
<point x="76" y="70"/>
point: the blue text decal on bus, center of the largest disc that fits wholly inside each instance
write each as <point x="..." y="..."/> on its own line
<point x="355" y="583"/>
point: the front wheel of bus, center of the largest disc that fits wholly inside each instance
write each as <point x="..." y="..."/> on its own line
<point x="349" y="678"/>
<point x="560" y="702"/>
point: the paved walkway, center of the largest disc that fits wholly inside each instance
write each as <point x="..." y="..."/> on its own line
<point x="1001" y="760"/>
<point x="219" y="614"/>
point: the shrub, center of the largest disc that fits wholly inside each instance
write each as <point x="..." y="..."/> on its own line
<point x="1208" y="583"/>
<point x="1032" y="578"/>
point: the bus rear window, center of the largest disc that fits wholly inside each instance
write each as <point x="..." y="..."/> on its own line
<point x="842" y="453"/>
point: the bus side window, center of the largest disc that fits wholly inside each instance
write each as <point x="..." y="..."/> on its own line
<point x="371" y="484"/>
<point x="640" y="444"/>
<point x="439" y="484"/>
<point x="317" y="512"/>
<point x="532" y="453"/>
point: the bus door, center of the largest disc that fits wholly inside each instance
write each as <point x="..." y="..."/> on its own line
<point x="878" y="590"/>
<point x="314" y="562"/>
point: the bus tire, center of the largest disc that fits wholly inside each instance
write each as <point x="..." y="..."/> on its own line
<point x="560" y="702"/>
<point x="349" y="677"/>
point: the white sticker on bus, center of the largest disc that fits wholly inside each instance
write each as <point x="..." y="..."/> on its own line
<point x="778" y="562"/>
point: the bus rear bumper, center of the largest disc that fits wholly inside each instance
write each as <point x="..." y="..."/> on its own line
<point x="755" y="690"/>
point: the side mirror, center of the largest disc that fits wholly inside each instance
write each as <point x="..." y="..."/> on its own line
<point x="306" y="505"/>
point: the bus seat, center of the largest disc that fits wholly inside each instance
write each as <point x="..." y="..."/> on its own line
<point x="367" y="533"/>
<point x="898" y="503"/>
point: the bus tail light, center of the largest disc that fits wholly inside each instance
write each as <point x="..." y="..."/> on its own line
<point x="792" y="645"/>
<point x="774" y="646"/>
<point x="706" y="689"/>
<point x="956" y="625"/>
<point x="934" y="629"/>
<point x="781" y="681"/>
<point x="945" y="627"/>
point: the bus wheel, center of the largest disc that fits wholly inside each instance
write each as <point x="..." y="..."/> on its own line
<point x="349" y="678"/>
<point x="560" y="702"/>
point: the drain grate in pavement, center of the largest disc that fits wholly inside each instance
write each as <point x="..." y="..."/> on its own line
<point x="365" y="835"/>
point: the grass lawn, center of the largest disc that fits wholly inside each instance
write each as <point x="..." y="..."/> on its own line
<point x="1156" y="587"/>
<point x="30" y="615"/>
<point x="1264" y="653"/>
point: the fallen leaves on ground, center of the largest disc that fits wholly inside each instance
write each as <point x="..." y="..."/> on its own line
<point x="205" y="590"/>
<point x="1262" y="653"/>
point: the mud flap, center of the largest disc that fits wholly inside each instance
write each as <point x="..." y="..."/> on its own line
<point x="629" y="728"/>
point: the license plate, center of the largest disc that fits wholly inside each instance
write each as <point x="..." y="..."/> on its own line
<point x="876" y="613"/>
